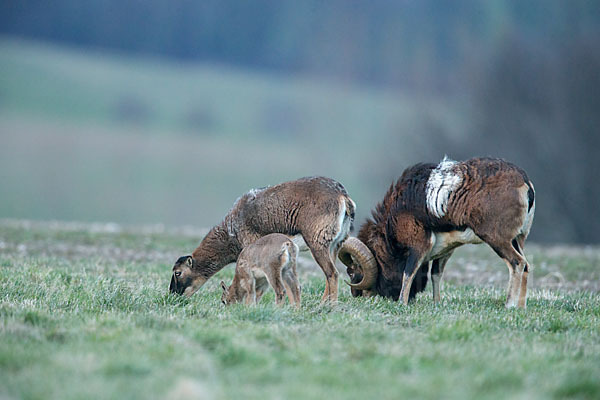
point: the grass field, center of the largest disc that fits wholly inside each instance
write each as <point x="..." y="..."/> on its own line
<point x="84" y="313"/>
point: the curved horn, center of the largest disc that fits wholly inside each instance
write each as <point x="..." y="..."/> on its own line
<point x="354" y="249"/>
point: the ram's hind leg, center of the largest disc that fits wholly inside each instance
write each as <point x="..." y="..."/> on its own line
<point x="516" y="265"/>
<point x="518" y="243"/>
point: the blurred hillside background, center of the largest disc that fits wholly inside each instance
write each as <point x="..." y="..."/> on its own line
<point x="165" y="111"/>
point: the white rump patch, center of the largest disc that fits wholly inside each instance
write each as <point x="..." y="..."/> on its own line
<point x="343" y="225"/>
<point x="442" y="181"/>
<point x="528" y="217"/>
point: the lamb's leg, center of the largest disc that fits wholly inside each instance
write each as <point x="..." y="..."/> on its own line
<point x="292" y="287"/>
<point x="249" y="288"/>
<point x="273" y="274"/>
<point x="261" y="286"/>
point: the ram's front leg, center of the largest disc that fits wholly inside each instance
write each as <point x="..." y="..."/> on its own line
<point x="416" y="243"/>
<point x="413" y="262"/>
<point x="437" y="271"/>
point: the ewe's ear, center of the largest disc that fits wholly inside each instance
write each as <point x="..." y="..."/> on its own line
<point x="223" y="286"/>
<point x="189" y="262"/>
<point x="173" y="285"/>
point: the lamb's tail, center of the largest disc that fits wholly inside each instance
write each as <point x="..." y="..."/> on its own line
<point x="291" y="248"/>
<point x="289" y="251"/>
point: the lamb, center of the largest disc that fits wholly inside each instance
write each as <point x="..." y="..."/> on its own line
<point x="316" y="210"/>
<point x="271" y="260"/>
<point x="432" y="210"/>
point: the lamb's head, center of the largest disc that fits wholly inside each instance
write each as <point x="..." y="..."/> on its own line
<point x="186" y="279"/>
<point x="229" y="294"/>
<point x="361" y="266"/>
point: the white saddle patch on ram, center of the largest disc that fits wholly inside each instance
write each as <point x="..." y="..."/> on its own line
<point x="443" y="180"/>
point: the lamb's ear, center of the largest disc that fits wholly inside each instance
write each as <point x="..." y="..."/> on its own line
<point x="223" y="286"/>
<point x="189" y="262"/>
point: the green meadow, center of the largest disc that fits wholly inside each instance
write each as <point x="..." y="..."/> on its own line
<point x="85" y="313"/>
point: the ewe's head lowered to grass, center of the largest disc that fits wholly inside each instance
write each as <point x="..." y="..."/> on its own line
<point x="186" y="278"/>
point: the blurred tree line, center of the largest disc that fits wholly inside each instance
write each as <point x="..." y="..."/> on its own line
<point x="408" y="44"/>
<point x="525" y="73"/>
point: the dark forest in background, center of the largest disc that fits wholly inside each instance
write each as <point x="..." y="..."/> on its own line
<point x="528" y="72"/>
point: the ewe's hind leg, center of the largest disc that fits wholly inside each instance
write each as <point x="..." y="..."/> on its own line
<point x="331" y="275"/>
<point x="323" y="258"/>
<point x="293" y="264"/>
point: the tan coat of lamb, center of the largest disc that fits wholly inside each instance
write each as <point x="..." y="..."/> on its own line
<point x="271" y="260"/>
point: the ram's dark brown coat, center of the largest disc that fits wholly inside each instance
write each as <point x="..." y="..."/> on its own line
<point x="431" y="210"/>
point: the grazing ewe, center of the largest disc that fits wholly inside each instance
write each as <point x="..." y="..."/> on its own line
<point x="431" y="211"/>
<point x="271" y="260"/>
<point x="317" y="209"/>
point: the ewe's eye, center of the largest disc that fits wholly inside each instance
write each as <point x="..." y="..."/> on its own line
<point x="177" y="273"/>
